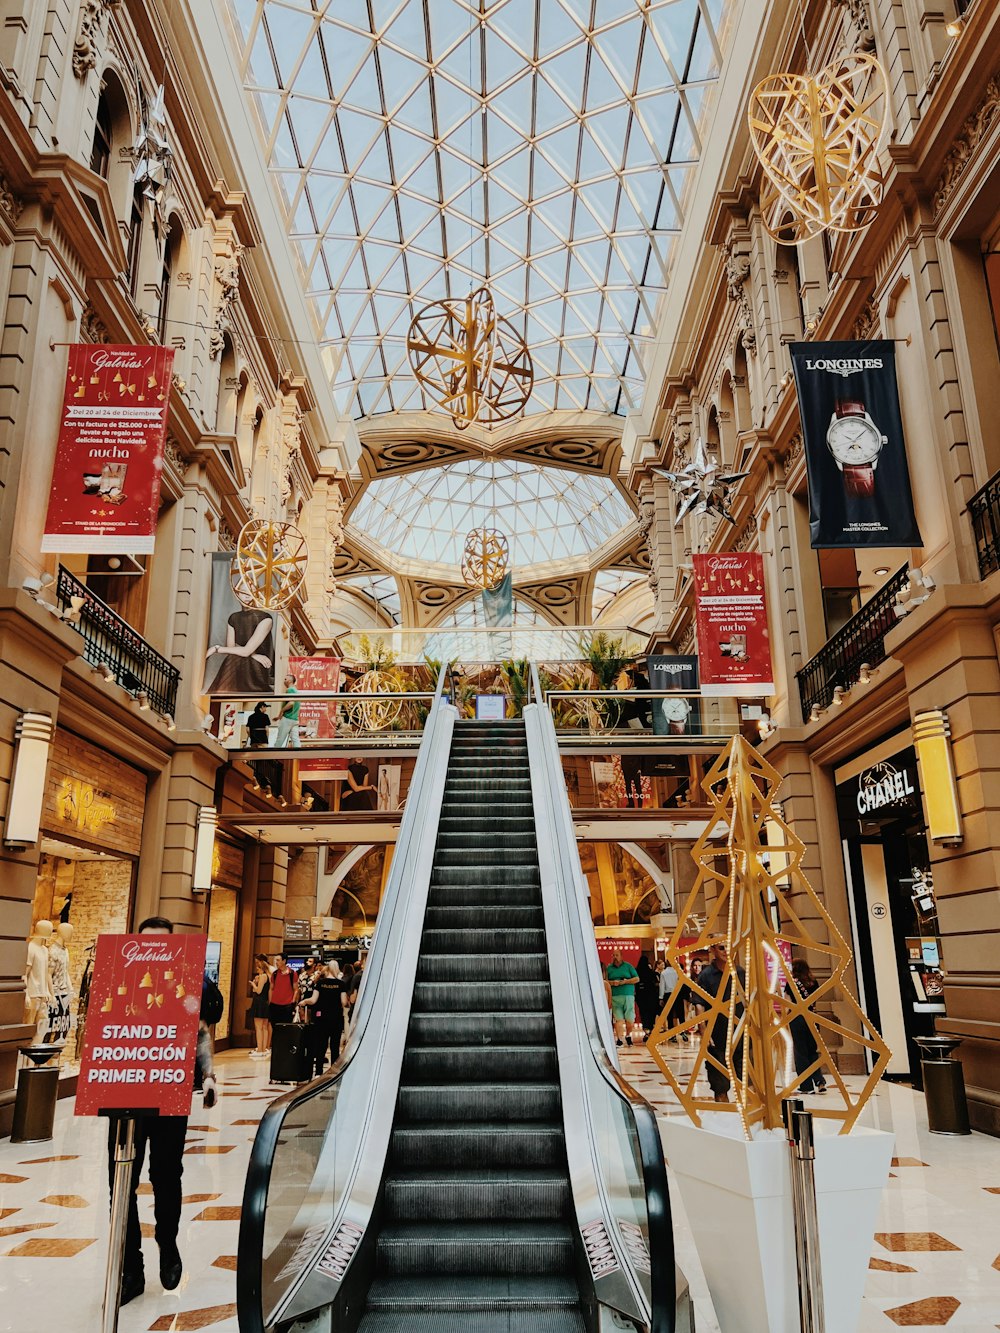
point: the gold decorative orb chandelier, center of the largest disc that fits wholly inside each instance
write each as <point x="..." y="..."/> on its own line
<point x="484" y="558"/>
<point x="270" y="564"/>
<point x="817" y="138"/>
<point x="470" y="360"/>
<point x="374" y="714"/>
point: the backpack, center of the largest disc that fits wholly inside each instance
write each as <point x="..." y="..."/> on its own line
<point x="212" y="1003"/>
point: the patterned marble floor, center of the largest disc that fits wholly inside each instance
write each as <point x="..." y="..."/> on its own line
<point x="935" y="1261"/>
<point x="936" y="1257"/>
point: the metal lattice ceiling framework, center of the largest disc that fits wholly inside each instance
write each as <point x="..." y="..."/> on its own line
<point x="421" y="147"/>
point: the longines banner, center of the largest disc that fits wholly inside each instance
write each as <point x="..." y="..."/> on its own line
<point x="859" y="482"/>
<point x="734" y="649"/>
<point x="105" y="493"/>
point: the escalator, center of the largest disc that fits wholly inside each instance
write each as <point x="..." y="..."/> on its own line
<point x="475" y="1162"/>
<point x="477" y="1210"/>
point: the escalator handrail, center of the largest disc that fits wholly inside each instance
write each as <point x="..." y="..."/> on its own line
<point x="249" y="1270"/>
<point x="583" y="955"/>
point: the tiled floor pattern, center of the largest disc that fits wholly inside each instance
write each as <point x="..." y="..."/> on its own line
<point x="935" y="1260"/>
<point x="936" y="1254"/>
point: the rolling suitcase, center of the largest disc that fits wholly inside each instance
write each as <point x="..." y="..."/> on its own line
<point x="289" y="1053"/>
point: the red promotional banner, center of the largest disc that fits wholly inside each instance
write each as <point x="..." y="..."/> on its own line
<point x="141" y="1037"/>
<point x="105" y="493"/>
<point x="731" y="615"/>
<point x="317" y="719"/>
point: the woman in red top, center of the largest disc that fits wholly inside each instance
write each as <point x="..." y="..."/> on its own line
<point x="284" y="991"/>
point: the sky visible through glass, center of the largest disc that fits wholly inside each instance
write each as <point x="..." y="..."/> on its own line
<point x="546" y="513"/>
<point x="421" y="147"/>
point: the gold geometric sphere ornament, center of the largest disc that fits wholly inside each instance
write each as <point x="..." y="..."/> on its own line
<point x="817" y="138"/>
<point x="270" y="564"/>
<point x="484" y="558"/>
<point x="470" y="360"/>
<point x="747" y="997"/>
<point x="375" y="714"/>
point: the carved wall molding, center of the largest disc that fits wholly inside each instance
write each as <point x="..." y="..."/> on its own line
<point x="795" y="447"/>
<point x="173" y="457"/>
<point x="747" y="535"/>
<point x="92" y="328"/>
<point x="967" y="141"/>
<point x="737" y="289"/>
<point x="867" y="323"/>
<point x="227" y="274"/>
<point x="686" y="642"/>
<point x="297" y="644"/>
<point x="92" y="14"/>
<point x="227" y="542"/>
<point x="10" y="205"/>
<point x="858" y="10"/>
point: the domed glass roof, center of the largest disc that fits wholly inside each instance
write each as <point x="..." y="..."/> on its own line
<point x="545" y="513"/>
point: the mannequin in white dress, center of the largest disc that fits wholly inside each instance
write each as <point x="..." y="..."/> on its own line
<point x="37" y="985"/>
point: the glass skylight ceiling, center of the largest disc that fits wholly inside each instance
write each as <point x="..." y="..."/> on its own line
<point x="546" y="513"/>
<point x="423" y="146"/>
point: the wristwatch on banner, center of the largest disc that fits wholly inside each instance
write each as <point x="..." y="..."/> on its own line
<point x="855" y="442"/>
<point x="676" y="712"/>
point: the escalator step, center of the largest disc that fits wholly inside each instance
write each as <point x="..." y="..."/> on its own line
<point x="480" y="915"/>
<point x="486" y="1026"/>
<point x="484" y="895"/>
<point x="536" y="1143"/>
<point x="486" y="854"/>
<point x="478" y="1101"/>
<point x="471" y="874"/>
<point x="467" y="996"/>
<point x="472" y="1292"/>
<point x="496" y="939"/>
<point x="498" y="968"/>
<point x="499" y="1248"/>
<point x="479" y="1194"/>
<point x="465" y="840"/>
<point x="473" y="1064"/>
<point x="476" y="1321"/>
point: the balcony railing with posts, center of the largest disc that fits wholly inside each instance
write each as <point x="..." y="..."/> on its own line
<point x="860" y="642"/>
<point x="112" y="643"/>
<point x="984" y="510"/>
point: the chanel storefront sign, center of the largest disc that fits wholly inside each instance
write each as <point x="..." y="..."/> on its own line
<point x="883" y="786"/>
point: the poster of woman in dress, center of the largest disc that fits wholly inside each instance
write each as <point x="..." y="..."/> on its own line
<point x="240" y="657"/>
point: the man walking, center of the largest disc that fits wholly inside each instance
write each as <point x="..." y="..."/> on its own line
<point x="288" y="718"/>
<point x="622" y="978"/>
<point x="165" y="1136"/>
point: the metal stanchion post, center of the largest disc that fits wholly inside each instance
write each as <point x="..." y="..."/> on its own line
<point x="121" y="1189"/>
<point x="799" y="1129"/>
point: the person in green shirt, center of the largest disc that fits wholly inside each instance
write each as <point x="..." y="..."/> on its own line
<point x="288" y="718"/>
<point x="622" y="978"/>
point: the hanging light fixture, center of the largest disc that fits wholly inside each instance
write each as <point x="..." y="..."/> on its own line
<point x="484" y="558"/>
<point x="818" y="138"/>
<point x="270" y="564"/>
<point x="470" y="360"/>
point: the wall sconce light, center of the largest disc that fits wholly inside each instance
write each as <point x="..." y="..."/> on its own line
<point x="916" y="591"/>
<point x="107" y="671"/>
<point x="204" y="848"/>
<point x="33" y="736"/>
<point x="168" y="720"/>
<point x="308" y="800"/>
<point x="814" y="713"/>
<point x="936" y="760"/>
<point x="864" y="674"/>
<point x="76" y="605"/>
<point x="142" y="699"/>
<point x="812" y="324"/>
<point x="955" y="26"/>
<point x="838" y="696"/>
<point x="765" y="726"/>
<point x="256" y="785"/>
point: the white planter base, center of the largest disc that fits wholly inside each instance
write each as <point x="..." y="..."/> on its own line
<point x="738" y="1200"/>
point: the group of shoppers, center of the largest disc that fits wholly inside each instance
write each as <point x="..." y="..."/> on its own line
<point x="638" y="994"/>
<point x="320" y="995"/>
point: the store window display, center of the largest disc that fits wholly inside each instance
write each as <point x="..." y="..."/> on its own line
<point x="60" y="1009"/>
<point x="37" y="983"/>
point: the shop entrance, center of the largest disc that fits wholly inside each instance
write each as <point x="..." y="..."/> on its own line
<point x="90" y="891"/>
<point x="893" y="910"/>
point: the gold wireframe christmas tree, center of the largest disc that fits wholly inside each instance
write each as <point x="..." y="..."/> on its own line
<point x="757" y="999"/>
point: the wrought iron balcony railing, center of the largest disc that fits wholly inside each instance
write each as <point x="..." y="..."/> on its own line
<point x="110" y="642"/>
<point x="860" y="642"/>
<point x="984" y="509"/>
